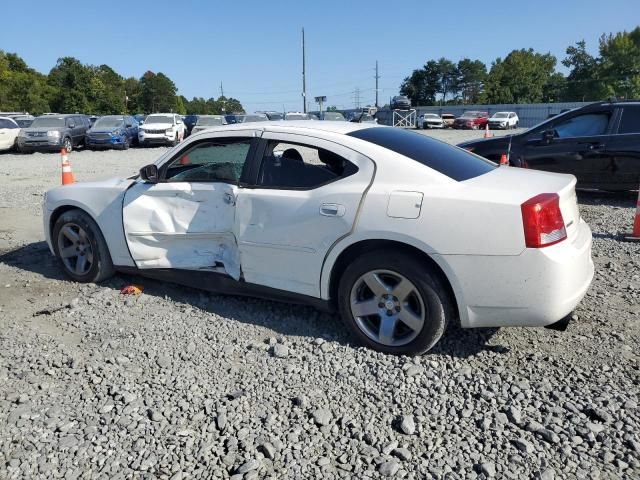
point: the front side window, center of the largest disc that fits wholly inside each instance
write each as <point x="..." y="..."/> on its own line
<point x="630" y="122"/>
<point x="220" y="160"/>
<point x="585" y="125"/>
<point x="291" y="166"/>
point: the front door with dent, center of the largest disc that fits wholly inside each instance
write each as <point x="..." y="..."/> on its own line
<point x="186" y="220"/>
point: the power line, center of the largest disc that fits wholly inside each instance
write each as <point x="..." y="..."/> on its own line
<point x="377" y="77"/>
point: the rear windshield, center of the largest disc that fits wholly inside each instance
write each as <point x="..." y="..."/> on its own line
<point x="451" y="161"/>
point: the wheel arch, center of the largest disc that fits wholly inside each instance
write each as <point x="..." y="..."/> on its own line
<point x="354" y="250"/>
<point x="61" y="210"/>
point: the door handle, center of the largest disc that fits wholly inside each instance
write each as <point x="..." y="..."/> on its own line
<point x="596" y="146"/>
<point x="229" y="198"/>
<point x="332" y="210"/>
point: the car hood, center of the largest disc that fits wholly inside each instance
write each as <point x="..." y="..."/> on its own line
<point x="50" y="129"/>
<point x="156" y="126"/>
<point x="108" y="184"/>
<point x="104" y="130"/>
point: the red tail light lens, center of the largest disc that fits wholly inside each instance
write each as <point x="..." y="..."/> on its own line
<point x="542" y="221"/>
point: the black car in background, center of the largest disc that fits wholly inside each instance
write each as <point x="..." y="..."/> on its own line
<point x="598" y="143"/>
<point x="189" y="123"/>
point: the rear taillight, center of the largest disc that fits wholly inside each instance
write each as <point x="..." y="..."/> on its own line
<point x="542" y="221"/>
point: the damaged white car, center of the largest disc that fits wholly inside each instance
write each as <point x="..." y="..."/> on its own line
<point x="399" y="233"/>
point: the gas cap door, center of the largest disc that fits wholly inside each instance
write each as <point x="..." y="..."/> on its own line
<point x="403" y="204"/>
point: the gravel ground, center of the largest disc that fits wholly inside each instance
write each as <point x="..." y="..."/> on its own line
<point x="177" y="384"/>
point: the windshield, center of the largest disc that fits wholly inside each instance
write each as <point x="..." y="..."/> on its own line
<point x="109" y="122"/>
<point x="210" y="121"/>
<point x="549" y="121"/>
<point x="296" y="116"/>
<point x="23" y="123"/>
<point x="335" y="116"/>
<point x="252" y="118"/>
<point x="158" y="119"/>
<point x="45" y="122"/>
<point x="501" y="115"/>
<point x="470" y="115"/>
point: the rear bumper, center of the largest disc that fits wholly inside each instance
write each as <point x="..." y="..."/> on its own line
<point x="537" y="288"/>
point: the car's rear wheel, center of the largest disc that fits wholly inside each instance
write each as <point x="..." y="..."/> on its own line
<point x="81" y="248"/>
<point x="393" y="303"/>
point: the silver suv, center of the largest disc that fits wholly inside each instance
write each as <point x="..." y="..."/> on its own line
<point x="52" y="132"/>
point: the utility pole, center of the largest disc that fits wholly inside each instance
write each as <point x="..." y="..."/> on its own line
<point x="304" y="79"/>
<point x="356" y="97"/>
<point x="377" y="77"/>
<point x="224" y="110"/>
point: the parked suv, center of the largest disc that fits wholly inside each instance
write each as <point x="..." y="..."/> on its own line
<point x="400" y="102"/>
<point x="472" y="120"/>
<point x="52" y="132"/>
<point x="504" y="120"/>
<point x="598" y="143"/>
<point x="161" y="129"/>
<point x="112" y="131"/>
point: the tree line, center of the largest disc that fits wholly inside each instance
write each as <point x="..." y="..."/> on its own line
<point x="72" y="86"/>
<point x="526" y="76"/>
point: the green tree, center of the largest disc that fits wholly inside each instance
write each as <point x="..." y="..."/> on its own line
<point x="619" y="66"/>
<point x="471" y="77"/>
<point x="447" y="78"/>
<point x="21" y="87"/>
<point x="71" y="82"/>
<point x="132" y="92"/>
<point x="422" y="85"/>
<point x="157" y="93"/>
<point x="582" y="82"/>
<point x="520" y="78"/>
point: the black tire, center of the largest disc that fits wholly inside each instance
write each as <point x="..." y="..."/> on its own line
<point x="67" y="144"/>
<point x="175" y="141"/>
<point x="101" y="266"/>
<point x="437" y="304"/>
<point x="125" y="144"/>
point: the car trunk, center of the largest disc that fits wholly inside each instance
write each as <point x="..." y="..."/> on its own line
<point x="515" y="186"/>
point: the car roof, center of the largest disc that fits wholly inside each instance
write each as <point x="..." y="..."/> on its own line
<point x="279" y="125"/>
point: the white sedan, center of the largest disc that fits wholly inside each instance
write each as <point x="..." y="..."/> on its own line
<point x="9" y="131"/>
<point x="398" y="232"/>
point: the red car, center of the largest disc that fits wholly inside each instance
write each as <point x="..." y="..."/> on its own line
<point x="471" y="120"/>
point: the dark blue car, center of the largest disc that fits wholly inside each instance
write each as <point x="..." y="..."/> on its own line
<point x="112" y="131"/>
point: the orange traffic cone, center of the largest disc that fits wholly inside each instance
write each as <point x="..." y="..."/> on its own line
<point x="635" y="234"/>
<point x="486" y="131"/>
<point x="67" y="174"/>
<point x="503" y="159"/>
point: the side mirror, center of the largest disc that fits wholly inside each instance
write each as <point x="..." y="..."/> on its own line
<point x="72" y="125"/>
<point x="548" y="136"/>
<point x="141" y="122"/>
<point x="129" y="125"/>
<point x="149" y="173"/>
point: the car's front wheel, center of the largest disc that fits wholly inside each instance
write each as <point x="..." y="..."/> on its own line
<point x="81" y="248"/>
<point x="393" y="303"/>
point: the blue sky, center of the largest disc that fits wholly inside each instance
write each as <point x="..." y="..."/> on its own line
<point x="254" y="47"/>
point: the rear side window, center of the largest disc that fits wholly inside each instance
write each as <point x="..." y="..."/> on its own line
<point x="451" y="161"/>
<point x="630" y="122"/>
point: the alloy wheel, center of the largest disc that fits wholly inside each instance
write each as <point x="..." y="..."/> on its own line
<point x="75" y="249"/>
<point x="387" y="307"/>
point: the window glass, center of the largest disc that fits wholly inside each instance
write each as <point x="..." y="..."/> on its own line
<point x="220" y="160"/>
<point x="4" y="123"/>
<point x="583" y="125"/>
<point x="630" y="122"/>
<point x="293" y="166"/>
<point x="451" y="161"/>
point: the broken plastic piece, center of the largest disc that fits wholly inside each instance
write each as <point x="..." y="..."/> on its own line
<point x="131" y="290"/>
